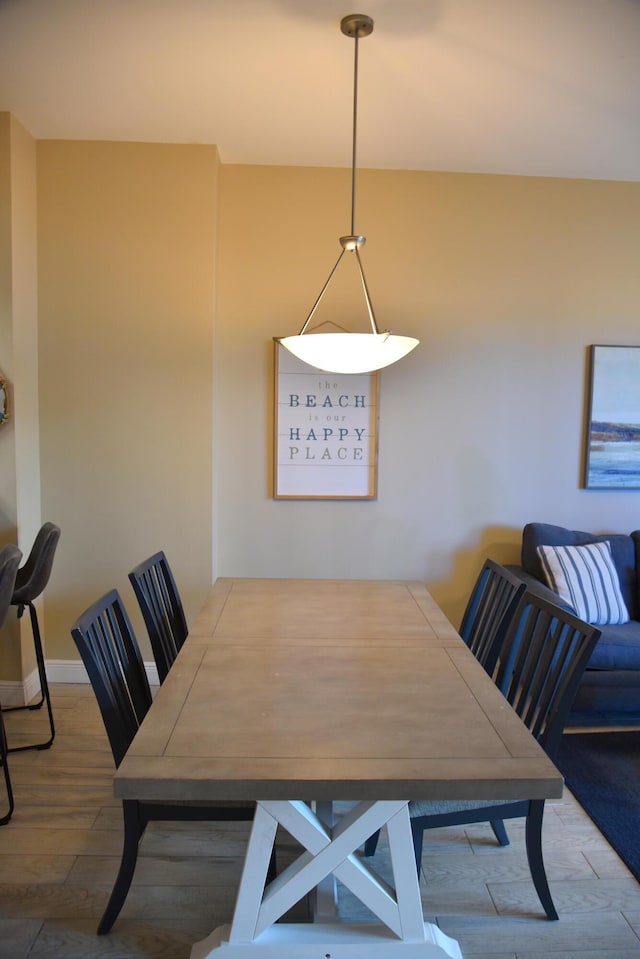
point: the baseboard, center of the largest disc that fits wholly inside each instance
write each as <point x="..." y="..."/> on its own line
<point x="66" y="671"/>
<point x="18" y="693"/>
<point x="73" y="671"/>
<point x="58" y="671"/>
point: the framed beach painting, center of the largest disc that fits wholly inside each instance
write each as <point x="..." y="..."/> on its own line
<point x="325" y="432"/>
<point x="613" y="428"/>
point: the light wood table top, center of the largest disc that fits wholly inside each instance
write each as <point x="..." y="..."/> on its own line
<point x="324" y="690"/>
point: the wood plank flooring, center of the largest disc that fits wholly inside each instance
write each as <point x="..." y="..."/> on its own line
<point x="59" y="855"/>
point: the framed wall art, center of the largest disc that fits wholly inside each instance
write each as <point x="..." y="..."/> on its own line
<point x="325" y="432"/>
<point x="613" y="427"/>
<point x="4" y="400"/>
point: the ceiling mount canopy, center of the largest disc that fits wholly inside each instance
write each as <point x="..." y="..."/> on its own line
<point x="350" y="352"/>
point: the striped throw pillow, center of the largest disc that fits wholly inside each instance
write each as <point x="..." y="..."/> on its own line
<point x="586" y="579"/>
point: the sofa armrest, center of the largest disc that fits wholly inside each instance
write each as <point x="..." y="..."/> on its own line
<point x="539" y="589"/>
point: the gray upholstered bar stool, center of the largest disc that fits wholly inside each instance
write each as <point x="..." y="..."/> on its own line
<point x="31" y="580"/>
<point x="10" y="557"/>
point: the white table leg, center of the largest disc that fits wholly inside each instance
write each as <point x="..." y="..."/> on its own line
<point x="324" y="905"/>
<point x="328" y="850"/>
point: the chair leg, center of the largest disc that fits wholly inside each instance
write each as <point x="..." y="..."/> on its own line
<point x="13" y="709"/>
<point x="533" y="835"/>
<point x="371" y="844"/>
<point x="44" y="686"/>
<point x="500" y="832"/>
<point x="133" y="829"/>
<point x="5" y="768"/>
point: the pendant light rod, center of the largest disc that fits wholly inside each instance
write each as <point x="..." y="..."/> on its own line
<point x="365" y="288"/>
<point x="355" y="25"/>
<point x="354" y="139"/>
<point x="320" y="295"/>
<point x="350" y="352"/>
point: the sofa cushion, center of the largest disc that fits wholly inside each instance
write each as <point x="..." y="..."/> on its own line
<point x="622" y="551"/>
<point x="618" y="648"/>
<point x="585" y="577"/>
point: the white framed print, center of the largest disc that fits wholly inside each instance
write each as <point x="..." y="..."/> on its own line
<point x="325" y="431"/>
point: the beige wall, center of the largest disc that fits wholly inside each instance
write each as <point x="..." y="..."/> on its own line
<point x="10" y="665"/>
<point x="126" y="237"/>
<point x="506" y="280"/>
<point x="25" y="360"/>
<point x="19" y="437"/>
<point x="8" y="507"/>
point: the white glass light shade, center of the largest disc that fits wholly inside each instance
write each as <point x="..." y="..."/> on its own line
<point x="349" y="352"/>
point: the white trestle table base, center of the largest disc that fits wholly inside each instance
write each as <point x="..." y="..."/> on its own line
<point x="323" y="941"/>
<point x="329" y="851"/>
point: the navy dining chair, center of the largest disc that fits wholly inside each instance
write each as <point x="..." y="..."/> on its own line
<point x="109" y="650"/>
<point x="541" y="662"/>
<point x="488" y="613"/>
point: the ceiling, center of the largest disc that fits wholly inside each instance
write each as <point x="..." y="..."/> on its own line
<point x="533" y="87"/>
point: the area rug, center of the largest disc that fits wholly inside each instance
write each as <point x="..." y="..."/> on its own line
<point x="602" y="770"/>
<point x="602" y="720"/>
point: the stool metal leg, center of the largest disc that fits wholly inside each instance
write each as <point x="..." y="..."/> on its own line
<point x="12" y="709"/>
<point x="44" y="684"/>
<point x="5" y="768"/>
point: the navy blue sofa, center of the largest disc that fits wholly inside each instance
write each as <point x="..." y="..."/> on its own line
<point x="611" y="683"/>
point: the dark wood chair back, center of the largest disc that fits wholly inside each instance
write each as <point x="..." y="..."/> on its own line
<point x="541" y="663"/>
<point x="161" y="608"/>
<point x="489" y="612"/>
<point x="111" y="655"/>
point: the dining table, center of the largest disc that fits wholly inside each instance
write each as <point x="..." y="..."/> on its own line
<point x="331" y="704"/>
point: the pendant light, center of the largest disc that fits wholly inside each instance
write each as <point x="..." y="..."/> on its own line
<point x="350" y="352"/>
